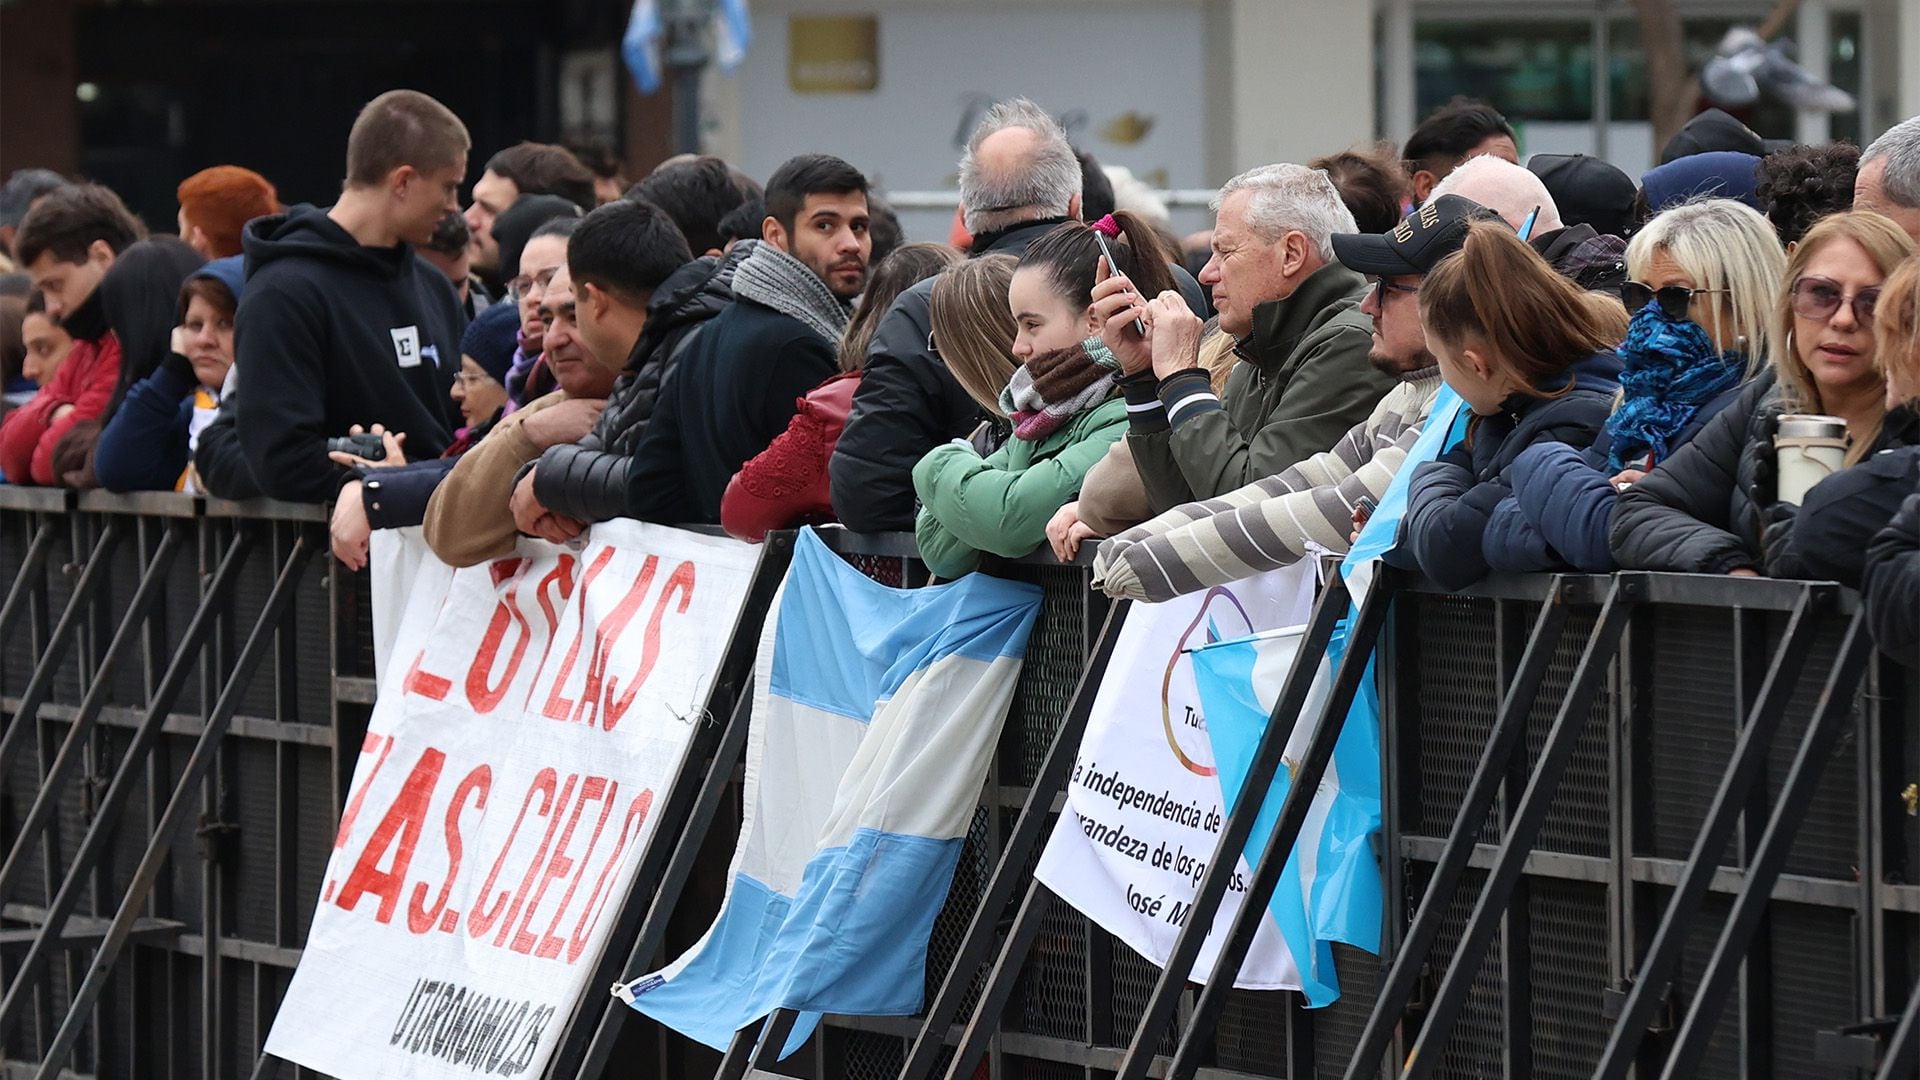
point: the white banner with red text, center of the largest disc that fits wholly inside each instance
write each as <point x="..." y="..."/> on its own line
<point x="534" y="709"/>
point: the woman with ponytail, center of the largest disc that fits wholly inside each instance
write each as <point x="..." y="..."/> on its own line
<point x="1062" y="400"/>
<point x="1702" y="278"/>
<point x="1529" y="351"/>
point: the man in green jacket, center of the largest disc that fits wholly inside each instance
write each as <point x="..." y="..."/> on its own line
<point x="1301" y="378"/>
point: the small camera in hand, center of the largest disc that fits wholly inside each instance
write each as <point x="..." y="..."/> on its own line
<point x="365" y="445"/>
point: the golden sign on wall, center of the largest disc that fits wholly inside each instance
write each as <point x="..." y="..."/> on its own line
<point x="833" y="54"/>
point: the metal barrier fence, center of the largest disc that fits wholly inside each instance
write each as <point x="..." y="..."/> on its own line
<point x="179" y="677"/>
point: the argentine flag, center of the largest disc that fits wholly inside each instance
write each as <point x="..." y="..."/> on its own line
<point x="1330" y="890"/>
<point x="875" y="714"/>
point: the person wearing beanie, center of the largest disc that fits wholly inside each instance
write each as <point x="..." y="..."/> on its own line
<point x="1711" y="131"/>
<point x="1725" y="174"/>
<point x="217" y="203"/>
<point x="486" y="351"/>
<point x="148" y="445"/>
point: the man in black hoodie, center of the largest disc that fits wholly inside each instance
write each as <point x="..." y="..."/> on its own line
<point x="342" y="322"/>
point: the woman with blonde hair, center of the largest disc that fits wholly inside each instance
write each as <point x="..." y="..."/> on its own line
<point x="1829" y="538"/>
<point x="1891" y="580"/>
<point x="1530" y="352"/>
<point x="1711" y="508"/>
<point x="1702" y="280"/>
<point x="972" y="330"/>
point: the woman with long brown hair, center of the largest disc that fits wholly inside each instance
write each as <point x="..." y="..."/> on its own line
<point x="1711" y="507"/>
<point x="1530" y="352"/>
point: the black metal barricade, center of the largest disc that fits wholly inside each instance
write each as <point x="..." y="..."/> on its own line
<point x="1585" y="856"/>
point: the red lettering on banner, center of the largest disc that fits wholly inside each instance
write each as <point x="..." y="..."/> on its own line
<point x="419" y="918"/>
<point x="485" y="696"/>
<point x="502" y="569"/>
<point x="558" y="707"/>
<point x="606" y="635"/>
<point x="550" y="942"/>
<point x="597" y="903"/>
<point x="425" y="683"/>
<point x="682" y="583"/>
<point x="382" y="743"/>
<point x="481" y="918"/>
<point x="403" y="819"/>
<point x="539" y="858"/>
<point x="562" y="576"/>
<point x="592" y="788"/>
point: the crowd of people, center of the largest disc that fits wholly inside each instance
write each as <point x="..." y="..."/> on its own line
<point x="1638" y="358"/>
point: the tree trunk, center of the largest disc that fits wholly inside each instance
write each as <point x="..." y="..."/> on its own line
<point x="1673" y="89"/>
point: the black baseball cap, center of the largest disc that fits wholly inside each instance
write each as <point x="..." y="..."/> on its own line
<point x="1587" y="191"/>
<point x="1424" y="237"/>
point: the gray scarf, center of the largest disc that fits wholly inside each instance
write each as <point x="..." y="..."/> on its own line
<point x="772" y="277"/>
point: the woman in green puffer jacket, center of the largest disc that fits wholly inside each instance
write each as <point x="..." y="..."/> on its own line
<point x="1061" y="401"/>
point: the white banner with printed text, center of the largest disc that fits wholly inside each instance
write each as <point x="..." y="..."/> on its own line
<point x="1144" y="809"/>
<point x="533" y="710"/>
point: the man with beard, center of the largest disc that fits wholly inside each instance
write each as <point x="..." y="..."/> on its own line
<point x="1271" y="522"/>
<point x="735" y="389"/>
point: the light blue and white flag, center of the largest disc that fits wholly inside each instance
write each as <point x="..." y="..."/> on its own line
<point x="1330" y="889"/>
<point x="732" y="33"/>
<point x="876" y="712"/>
<point x="640" y="45"/>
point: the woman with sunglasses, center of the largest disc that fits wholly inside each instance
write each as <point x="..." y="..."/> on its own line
<point x="1702" y="282"/>
<point x="1829" y="538"/>
<point x="1706" y="508"/>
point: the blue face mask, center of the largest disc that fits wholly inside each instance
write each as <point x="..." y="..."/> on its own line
<point x="1671" y="369"/>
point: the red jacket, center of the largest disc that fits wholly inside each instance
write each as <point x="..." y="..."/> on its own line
<point x="85" y="381"/>
<point x="786" y="484"/>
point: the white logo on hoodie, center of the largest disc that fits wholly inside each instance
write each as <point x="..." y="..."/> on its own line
<point x="406" y="345"/>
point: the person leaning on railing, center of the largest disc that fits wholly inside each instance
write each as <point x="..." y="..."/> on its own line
<point x="1710" y="508"/>
<point x="1531" y="354"/>
<point x="1702" y="281"/>
<point x="1891" y="579"/>
<point x="148" y="444"/>
<point x="1063" y="400"/>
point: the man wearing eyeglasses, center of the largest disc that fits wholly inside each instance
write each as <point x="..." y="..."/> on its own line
<point x="1323" y="499"/>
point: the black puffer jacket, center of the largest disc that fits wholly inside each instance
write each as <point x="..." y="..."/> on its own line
<point x="1452" y="498"/>
<point x="1701" y="511"/>
<point x="1891" y="585"/>
<point x="587" y="480"/>
<point x="1826" y="539"/>
<point x="908" y="402"/>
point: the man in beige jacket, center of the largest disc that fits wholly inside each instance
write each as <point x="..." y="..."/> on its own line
<point x="469" y="519"/>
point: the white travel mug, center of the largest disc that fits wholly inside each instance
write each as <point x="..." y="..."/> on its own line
<point x="1808" y="448"/>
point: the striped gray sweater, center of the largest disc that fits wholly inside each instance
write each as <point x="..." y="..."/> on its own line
<point x="1270" y="522"/>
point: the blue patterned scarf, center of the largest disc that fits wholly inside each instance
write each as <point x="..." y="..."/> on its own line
<point x="1671" y="370"/>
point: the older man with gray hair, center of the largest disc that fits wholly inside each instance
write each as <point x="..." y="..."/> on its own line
<point x="1018" y="179"/>
<point x="1300" y="377"/>
<point x="1889" y="178"/>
